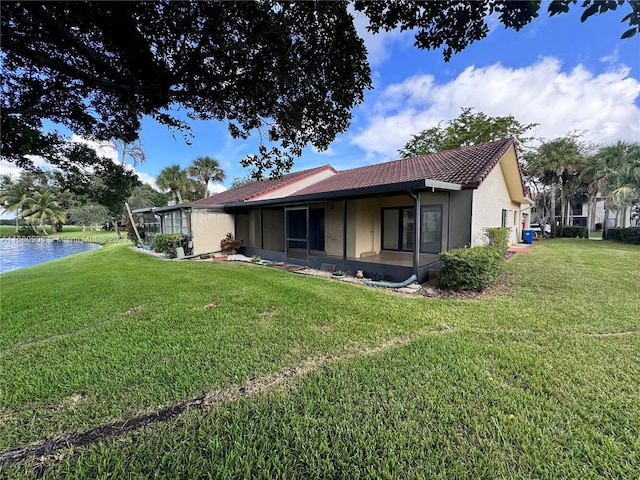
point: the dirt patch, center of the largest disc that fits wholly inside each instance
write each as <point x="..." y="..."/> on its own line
<point x="74" y="400"/>
<point x="210" y="306"/>
<point x="132" y="311"/>
<point x="265" y="317"/>
<point x="612" y="334"/>
<point x="502" y="285"/>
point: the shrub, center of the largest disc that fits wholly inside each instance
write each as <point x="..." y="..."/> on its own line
<point x="626" y="235"/>
<point x="614" y="233"/>
<point x="167" y="243"/>
<point x="26" y="230"/>
<point x="470" y="268"/>
<point x="131" y="233"/>
<point x="497" y="237"/>
<point x="230" y="245"/>
<point x="573" y="231"/>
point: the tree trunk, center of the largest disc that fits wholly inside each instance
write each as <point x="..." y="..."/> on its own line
<point x="592" y="207"/>
<point x="553" y="212"/>
<point x="115" y="226"/>
<point x="589" y="217"/>
<point x="133" y="223"/>
<point x="605" y="223"/>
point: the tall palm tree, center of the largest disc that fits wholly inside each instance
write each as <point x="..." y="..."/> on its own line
<point x="626" y="179"/>
<point x="594" y="175"/>
<point x="554" y="162"/>
<point x="619" y="172"/>
<point x="206" y="169"/>
<point x="174" y="179"/>
<point x="15" y="197"/>
<point x="45" y="208"/>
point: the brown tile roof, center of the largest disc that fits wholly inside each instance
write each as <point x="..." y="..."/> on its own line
<point x="467" y="166"/>
<point x="254" y="189"/>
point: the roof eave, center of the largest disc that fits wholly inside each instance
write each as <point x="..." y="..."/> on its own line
<point x="355" y="192"/>
<point x="442" y="185"/>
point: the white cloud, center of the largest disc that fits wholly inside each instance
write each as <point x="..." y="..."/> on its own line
<point x="379" y="45"/>
<point x="603" y="105"/>
<point x="8" y="168"/>
<point x="148" y="179"/>
<point x="104" y="149"/>
<point x="216" y="188"/>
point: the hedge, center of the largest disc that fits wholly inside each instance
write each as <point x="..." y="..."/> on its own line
<point x="625" y="235"/>
<point x="497" y="237"/>
<point x="573" y="231"/>
<point x="470" y="268"/>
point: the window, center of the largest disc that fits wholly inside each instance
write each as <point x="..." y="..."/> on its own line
<point x="398" y="229"/>
<point x="431" y="229"/>
<point x="151" y="226"/>
<point x="576" y="209"/>
<point x="176" y="221"/>
<point x="505" y="214"/>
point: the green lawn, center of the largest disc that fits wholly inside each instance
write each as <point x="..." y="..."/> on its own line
<point x="537" y="381"/>
<point x="71" y="232"/>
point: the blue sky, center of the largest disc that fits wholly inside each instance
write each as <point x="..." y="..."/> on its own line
<point x="558" y="72"/>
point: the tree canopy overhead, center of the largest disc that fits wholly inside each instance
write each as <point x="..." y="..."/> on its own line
<point x="291" y="71"/>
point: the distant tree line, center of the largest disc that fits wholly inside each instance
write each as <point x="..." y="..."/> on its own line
<point x="38" y="199"/>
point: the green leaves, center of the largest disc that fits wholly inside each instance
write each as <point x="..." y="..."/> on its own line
<point x="469" y="128"/>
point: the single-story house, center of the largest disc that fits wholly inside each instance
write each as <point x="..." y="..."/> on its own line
<point x="390" y="220"/>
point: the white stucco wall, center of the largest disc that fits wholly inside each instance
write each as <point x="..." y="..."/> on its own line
<point x="488" y="201"/>
<point x="208" y="228"/>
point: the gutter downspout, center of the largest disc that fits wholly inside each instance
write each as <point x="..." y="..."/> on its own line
<point x="344" y="231"/>
<point x="449" y="223"/>
<point x="416" y="232"/>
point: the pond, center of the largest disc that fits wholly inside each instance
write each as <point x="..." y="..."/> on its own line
<point x="21" y="252"/>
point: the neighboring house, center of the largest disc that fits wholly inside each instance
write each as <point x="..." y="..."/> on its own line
<point x="390" y="220"/>
<point x="617" y="218"/>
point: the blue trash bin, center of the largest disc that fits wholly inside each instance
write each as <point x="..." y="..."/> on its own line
<point x="527" y="236"/>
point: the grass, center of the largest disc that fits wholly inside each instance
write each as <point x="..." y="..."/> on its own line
<point x="71" y="232"/>
<point x="539" y="381"/>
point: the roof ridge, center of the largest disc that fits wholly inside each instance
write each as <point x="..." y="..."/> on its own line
<point x="268" y="186"/>
<point x="466" y="147"/>
<point x="432" y="154"/>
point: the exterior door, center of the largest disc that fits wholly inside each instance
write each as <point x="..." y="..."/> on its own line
<point x="297" y="234"/>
